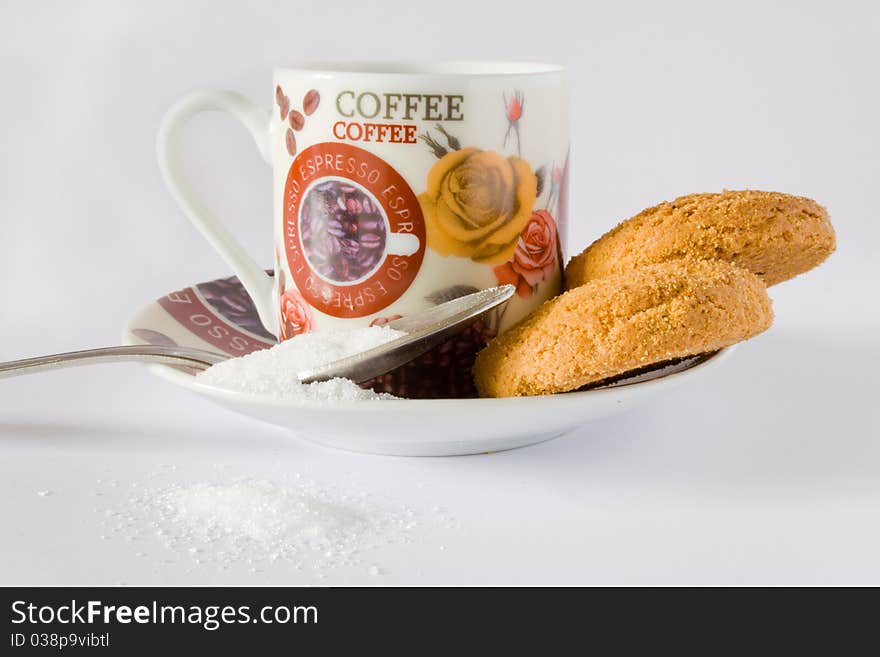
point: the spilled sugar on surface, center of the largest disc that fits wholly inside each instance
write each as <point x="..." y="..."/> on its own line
<point x="259" y="524"/>
<point x="271" y="371"/>
<point x="257" y="521"/>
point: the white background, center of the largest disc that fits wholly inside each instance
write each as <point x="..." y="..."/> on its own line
<point x="768" y="471"/>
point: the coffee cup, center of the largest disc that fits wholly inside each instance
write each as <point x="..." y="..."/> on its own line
<point x="396" y="186"/>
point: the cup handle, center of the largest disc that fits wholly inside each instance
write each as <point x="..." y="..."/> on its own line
<point x="258" y="284"/>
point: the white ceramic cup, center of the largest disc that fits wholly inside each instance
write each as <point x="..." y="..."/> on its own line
<point x="397" y="186"/>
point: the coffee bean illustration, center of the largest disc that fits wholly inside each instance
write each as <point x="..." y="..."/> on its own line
<point x="310" y="102"/>
<point x="343" y="231"/>
<point x="297" y="120"/>
<point x="290" y="140"/>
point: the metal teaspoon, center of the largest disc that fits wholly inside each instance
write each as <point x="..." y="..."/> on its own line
<point x="424" y="330"/>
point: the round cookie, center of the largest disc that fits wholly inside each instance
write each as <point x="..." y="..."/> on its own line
<point x="622" y="322"/>
<point x="776" y="236"/>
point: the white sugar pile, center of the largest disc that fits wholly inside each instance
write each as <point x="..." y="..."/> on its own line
<point x="278" y="527"/>
<point x="272" y="371"/>
<point x="261" y="511"/>
<point x="262" y="524"/>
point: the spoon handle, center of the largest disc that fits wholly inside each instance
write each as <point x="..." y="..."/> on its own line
<point x="195" y="358"/>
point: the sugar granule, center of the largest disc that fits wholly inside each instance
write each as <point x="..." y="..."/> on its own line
<point x="272" y="371"/>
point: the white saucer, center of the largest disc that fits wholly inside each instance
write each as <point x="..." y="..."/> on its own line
<point x="218" y="315"/>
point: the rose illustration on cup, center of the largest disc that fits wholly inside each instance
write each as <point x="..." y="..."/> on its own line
<point x="477" y="203"/>
<point x="296" y="317"/>
<point x="345" y="233"/>
<point x="535" y="255"/>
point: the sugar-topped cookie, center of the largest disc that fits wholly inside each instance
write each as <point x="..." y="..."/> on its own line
<point x="776" y="236"/>
<point x="623" y="322"/>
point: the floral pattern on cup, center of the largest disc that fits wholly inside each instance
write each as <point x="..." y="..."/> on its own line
<point x="535" y="257"/>
<point x="513" y="109"/>
<point x="343" y="231"/>
<point x="477" y="203"/>
<point x="296" y="317"/>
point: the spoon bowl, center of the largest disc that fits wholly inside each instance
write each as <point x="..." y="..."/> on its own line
<point x="424" y="331"/>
